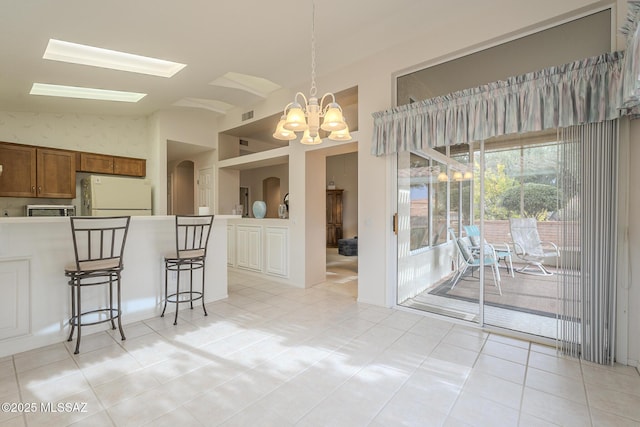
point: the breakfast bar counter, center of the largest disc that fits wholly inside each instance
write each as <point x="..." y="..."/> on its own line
<point x="34" y="295"/>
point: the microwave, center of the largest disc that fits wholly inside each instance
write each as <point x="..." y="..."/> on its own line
<point x="51" y="210"/>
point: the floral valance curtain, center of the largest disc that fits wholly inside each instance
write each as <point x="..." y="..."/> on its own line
<point x="585" y="91"/>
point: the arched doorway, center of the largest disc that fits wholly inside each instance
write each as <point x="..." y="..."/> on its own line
<point x="182" y="190"/>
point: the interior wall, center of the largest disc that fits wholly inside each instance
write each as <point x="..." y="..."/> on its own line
<point x="194" y="125"/>
<point x="253" y="179"/>
<point x="343" y="171"/>
<point x="120" y="136"/>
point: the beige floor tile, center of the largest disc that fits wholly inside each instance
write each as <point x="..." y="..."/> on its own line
<point x="178" y="417"/>
<point x="100" y="419"/>
<point x="478" y="411"/>
<point x="527" y="420"/>
<point x="41" y="356"/>
<point x="276" y="355"/>
<point x="94" y="341"/>
<point x="555" y="409"/>
<point x="558" y="385"/>
<point x="510" y="341"/>
<point x="454" y="354"/>
<point x="493" y="388"/>
<point x="7" y="368"/>
<point x="126" y="387"/>
<point x="68" y="410"/>
<point x="12" y="420"/>
<point x="554" y="364"/>
<point x="613" y="401"/>
<point x="501" y="368"/>
<point x="616" y="379"/>
<point x="464" y="340"/>
<point x="602" y="418"/>
<point x="506" y="351"/>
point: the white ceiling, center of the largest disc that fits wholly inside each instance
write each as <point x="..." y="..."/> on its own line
<point x="269" y="39"/>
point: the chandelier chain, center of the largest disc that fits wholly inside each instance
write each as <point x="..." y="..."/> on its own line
<point x="314" y="89"/>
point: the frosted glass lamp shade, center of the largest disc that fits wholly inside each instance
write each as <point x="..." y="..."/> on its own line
<point x="333" y="119"/>
<point x="296" y="120"/>
<point x="309" y="140"/>
<point x="283" y="134"/>
<point x="340" y="135"/>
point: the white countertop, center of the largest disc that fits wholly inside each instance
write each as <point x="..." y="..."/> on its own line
<point x="54" y="219"/>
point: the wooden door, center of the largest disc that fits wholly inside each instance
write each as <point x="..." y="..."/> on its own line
<point x="334" y="217"/>
<point x="18" y="178"/>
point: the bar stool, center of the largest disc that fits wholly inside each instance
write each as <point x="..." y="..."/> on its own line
<point x="192" y="236"/>
<point x="98" y="243"/>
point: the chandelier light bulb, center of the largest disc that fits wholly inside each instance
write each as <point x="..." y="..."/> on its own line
<point x="340" y="135"/>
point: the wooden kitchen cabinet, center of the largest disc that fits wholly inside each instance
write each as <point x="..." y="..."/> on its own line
<point x="129" y="166"/>
<point x="37" y="172"/>
<point x="56" y="173"/>
<point x="96" y="163"/>
<point x="18" y="178"/>
<point x="112" y="165"/>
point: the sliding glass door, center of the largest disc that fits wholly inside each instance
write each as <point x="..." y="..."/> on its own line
<point x="434" y="201"/>
<point x="457" y="252"/>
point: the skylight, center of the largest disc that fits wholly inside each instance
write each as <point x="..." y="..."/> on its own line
<point x="85" y="93"/>
<point x="256" y="85"/>
<point x="58" y="50"/>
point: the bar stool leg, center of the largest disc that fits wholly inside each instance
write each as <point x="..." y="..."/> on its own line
<point x="72" y="321"/>
<point x="113" y="325"/>
<point x="175" y="319"/>
<point x="166" y="292"/>
<point x="191" y="285"/>
<point x="203" y="307"/>
<point x="78" y="317"/>
<point x="120" y="310"/>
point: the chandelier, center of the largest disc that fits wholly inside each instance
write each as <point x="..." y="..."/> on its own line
<point x="304" y="114"/>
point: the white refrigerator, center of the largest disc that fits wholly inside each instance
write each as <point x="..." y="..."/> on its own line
<point x="104" y="195"/>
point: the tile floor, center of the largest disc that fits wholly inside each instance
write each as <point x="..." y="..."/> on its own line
<point x="272" y="355"/>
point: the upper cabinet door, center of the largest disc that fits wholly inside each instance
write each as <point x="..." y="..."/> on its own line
<point x="56" y="174"/>
<point x="129" y="166"/>
<point x="18" y="177"/>
<point x="96" y="163"/>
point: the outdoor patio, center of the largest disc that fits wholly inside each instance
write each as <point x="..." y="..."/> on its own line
<point x="529" y="303"/>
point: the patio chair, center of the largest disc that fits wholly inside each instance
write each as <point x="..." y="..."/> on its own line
<point x="502" y="250"/>
<point x="467" y="259"/>
<point x="529" y="248"/>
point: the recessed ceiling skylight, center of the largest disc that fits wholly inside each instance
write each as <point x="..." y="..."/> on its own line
<point x="59" y="50"/>
<point x="85" y="93"/>
<point x="207" y="104"/>
<point x="252" y="84"/>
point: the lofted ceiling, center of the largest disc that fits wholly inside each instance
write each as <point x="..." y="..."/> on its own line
<point x="266" y="39"/>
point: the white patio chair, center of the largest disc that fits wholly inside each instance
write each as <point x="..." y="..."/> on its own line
<point x="529" y="248"/>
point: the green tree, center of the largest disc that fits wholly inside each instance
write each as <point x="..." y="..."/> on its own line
<point x="496" y="183"/>
<point x="539" y="200"/>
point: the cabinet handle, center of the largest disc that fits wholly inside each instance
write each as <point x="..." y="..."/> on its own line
<point x="39" y="189"/>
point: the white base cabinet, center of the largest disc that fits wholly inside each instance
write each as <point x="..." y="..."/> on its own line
<point x="249" y="247"/>
<point x="259" y="246"/>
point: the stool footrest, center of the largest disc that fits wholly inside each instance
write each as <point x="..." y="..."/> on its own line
<point x="192" y="296"/>
<point x="112" y="313"/>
